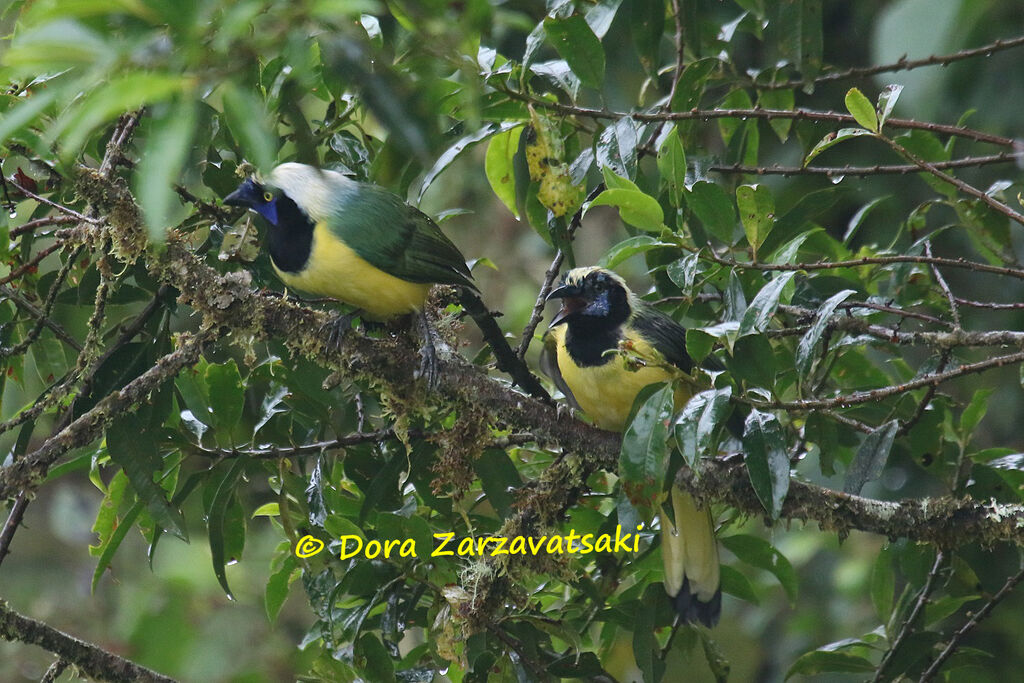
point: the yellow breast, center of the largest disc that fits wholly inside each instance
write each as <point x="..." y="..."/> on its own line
<point x="335" y="270"/>
<point x="606" y="392"/>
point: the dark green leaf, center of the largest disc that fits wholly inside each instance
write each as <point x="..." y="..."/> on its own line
<point x="753" y="360"/>
<point x="823" y="661"/>
<point x="672" y="166"/>
<point x="224" y="387"/>
<point x="644" y="457"/>
<point x="809" y="342"/>
<point x="576" y="43"/>
<point x="616" y="148"/>
<point x="764" y="447"/>
<point x="757" y="212"/>
<point x="737" y="585"/>
<point x="782" y="99"/>
<point x="217" y="517"/>
<point x="714" y="208"/>
<point x="759" y="553"/>
<point x="833" y="139"/>
<point x="498" y="477"/>
<point x="646" y="649"/>
<point x="135" y="450"/>
<point x="883" y="584"/>
<point x="760" y="311"/>
<point x="871" y="457"/>
<point x="698" y="422"/>
<point x="630" y="247"/>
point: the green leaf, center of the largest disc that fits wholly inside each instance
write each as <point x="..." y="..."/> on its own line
<point x="461" y="145"/>
<point x="861" y="109"/>
<point x="372" y="659"/>
<point x="217" y="517"/>
<point x="647" y="22"/>
<point x="672" y="166"/>
<point x="757" y="212"/>
<point x="822" y="661"/>
<point x="227" y="396"/>
<point x="737" y="585"/>
<point x="646" y="649"/>
<point x="759" y="553"/>
<point x="267" y="510"/>
<point x="871" y="457"/>
<point x="576" y="43"/>
<point x="278" y="584"/>
<point x="643" y="460"/>
<point x="163" y="159"/>
<point x="636" y="208"/>
<point x="781" y="99"/>
<point x="883" y="583"/>
<point x="136" y="451"/>
<point x="764" y="447"/>
<point x="498" y="477"/>
<point x="809" y="342"/>
<point x="500" y="169"/>
<point x="110" y="546"/>
<point x="697" y="423"/>
<point x="975" y="411"/>
<point x="683" y="272"/>
<point x="886" y="101"/>
<point x="762" y="308"/>
<point x="858" y="218"/>
<point x="124" y="93"/>
<point x="23" y="111"/>
<point x="753" y="360"/>
<point x="692" y="82"/>
<point x="713" y="207"/>
<point x="833" y="139"/>
<point x="246" y="116"/>
<point x="616" y="148"/>
<point x="699" y="343"/>
<point x="630" y="247"/>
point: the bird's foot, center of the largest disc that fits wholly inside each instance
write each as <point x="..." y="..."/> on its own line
<point x="428" y="354"/>
<point x="336" y="328"/>
<point x="563" y="411"/>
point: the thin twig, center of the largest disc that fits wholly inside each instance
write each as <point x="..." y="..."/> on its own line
<point x="908" y="623"/>
<point x="953" y="308"/>
<point x="30" y="308"/>
<point x="966" y="188"/>
<point x="51" y="298"/>
<point x="756" y="113"/>
<point x="878" y="169"/>
<point x="40" y="223"/>
<point x="954" y="642"/>
<point x="32" y="263"/>
<point x="859" y="397"/>
<point x="902" y="64"/>
<point x="60" y="207"/>
<point x="549" y="278"/>
<point x="871" y="261"/>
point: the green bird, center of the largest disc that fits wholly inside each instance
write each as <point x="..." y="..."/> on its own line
<point x="598" y="313"/>
<point x="363" y="245"/>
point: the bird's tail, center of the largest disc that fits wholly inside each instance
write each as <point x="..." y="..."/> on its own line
<point x="508" y="362"/>
<point x="689" y="552"/>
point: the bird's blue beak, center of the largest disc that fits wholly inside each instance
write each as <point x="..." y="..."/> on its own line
<point x="247" y="195"/>
<point x="572" y="302"/>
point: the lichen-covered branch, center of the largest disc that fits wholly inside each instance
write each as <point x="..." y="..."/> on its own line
<point x="90" y="659"/>
<point x="946" y="522"/>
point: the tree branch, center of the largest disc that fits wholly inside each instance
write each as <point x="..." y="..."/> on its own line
<point x="91" y="659"/>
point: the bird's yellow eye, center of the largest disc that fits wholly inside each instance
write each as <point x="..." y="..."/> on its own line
<point x="267" y="196"/>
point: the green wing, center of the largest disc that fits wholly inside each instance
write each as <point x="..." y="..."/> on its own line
<point x="549" y="366"/>
<point x="396" y="237"/>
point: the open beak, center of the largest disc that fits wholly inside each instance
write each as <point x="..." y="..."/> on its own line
<point x="572" y="302"/>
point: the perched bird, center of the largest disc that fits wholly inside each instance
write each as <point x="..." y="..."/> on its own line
<point x="363" y="245"/>
<point x="598" y="312"/>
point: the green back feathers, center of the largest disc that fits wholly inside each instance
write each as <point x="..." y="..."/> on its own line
<point x="378" y="225"/>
